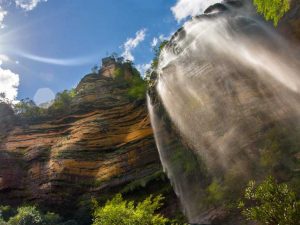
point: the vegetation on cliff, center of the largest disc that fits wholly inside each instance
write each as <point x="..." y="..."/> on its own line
<point x="121" y="212"/>
<point x="270" y="203"/>
<point x="125" y="72"/>
<point x="136" y="84"/>
<point x="30" y="215"/>
<point x="61" y="105"/>
<point x="272" y="9"/>
<point x="116" y="211"/>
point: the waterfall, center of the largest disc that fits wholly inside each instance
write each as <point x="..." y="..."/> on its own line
<point x="228" y="86"/>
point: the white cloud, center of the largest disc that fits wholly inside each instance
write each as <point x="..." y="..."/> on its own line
<point x="132" y="43"/>
<point x="28" y="4"/>
<point x="24" y="4"/>
<point x="9" y="83"/>
<point x="186" y="8"/>
<point x="3" y="13"/>
<point x="154" y="42"/>
<point x="4" y="58"/>
<point x="142" y="68"/>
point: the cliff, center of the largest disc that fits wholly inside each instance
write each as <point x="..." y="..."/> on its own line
<point x="289" y="26"/>
<point x="220" y="118"/>
<point x="104" y="145"/>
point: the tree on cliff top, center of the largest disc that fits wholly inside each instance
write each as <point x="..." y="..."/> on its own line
<point x="272" y="9"/>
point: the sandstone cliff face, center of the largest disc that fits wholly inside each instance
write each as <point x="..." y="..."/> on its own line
<point x="289" y="26"/>
<point x="103" y="144"/>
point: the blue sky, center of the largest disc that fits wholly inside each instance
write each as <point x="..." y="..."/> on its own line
<point x="52" y="44"/>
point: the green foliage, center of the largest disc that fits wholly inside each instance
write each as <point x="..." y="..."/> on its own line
<point x="119" y="73"/>
<point x="62" y="102"/>
<point x="136" y="85"/>
<point x="30" y="215"/>
<point x="137" y="88"/>
<point x="121" y="212"/>
<point x="270" y="203"/>
<point x="2" y="222"/>
<point x="185" y="162"/>
<point x="26" y="108"/>
<point x="215" y="193"/>
<point x="27" y="215"/>
<point x="157" y="51"/>
<point x="278" y="147"/>
<point x="272" y="9"/>
<point x="6" y="212"/>
<point x="149" y="73"/>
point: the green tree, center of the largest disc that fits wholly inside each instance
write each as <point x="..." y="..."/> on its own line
<point x="215" y="193"/>
<point x="62" y="102"/>
<point x="270" y="203"/>
<point x="30" y="215"/>
<point x="6" y="212"/>
<point x="2" y="222"/>
<point x="27" y="215"/>
<point x="272" y="9"/>
<point x="137" y="88"/>
<point x="26" y="108"/>
<point x="121" y="212"/>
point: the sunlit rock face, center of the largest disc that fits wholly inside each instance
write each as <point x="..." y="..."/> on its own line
<point x="103" y="144"/>
<point x="226" y="108"/>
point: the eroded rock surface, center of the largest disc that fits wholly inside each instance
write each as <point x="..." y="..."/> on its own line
<point x="102" y="145"/>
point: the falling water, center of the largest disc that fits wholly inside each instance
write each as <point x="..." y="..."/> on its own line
<point x="226" y="82"/>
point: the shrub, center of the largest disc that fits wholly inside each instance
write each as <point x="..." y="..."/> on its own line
<point x="62" y="102"/>
<point x="2" y="222"/>
<point x="137" y="88"/>
<point x="27" y="215"/>
<point x="121" y="212"/>
<point x="270" y="203"/>
<point x="135" y="83"/>
<point x="26" y="108"/>
<point x="30" y="215"/>
<point x="215" y="193"/>
<point x="272" y="9"/>
<point x="151" y="75"/>
<point x="119" y="73"/>
<point x="6" y="212"/>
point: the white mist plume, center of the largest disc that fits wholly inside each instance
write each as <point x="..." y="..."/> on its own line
<point x="186" y="8"/>
<point x="224" y="81"/>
